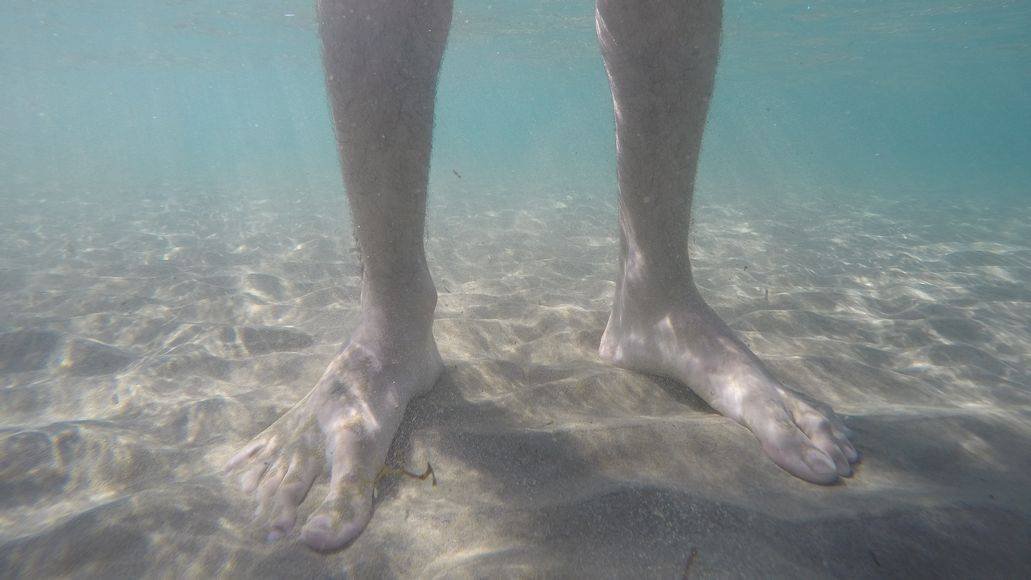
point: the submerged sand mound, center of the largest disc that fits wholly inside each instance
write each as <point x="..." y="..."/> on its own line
<point x="26" y="350"/>
<point x="90" y="358"/>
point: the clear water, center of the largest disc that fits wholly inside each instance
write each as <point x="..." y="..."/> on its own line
<point x="813" y="97"/>
<point x="176" y="271"/>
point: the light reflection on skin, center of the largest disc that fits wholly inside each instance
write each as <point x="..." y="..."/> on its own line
<point x="381" y="60"/>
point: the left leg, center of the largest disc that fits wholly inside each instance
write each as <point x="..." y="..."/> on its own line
<point x="381" y="58"/>
<point x="661" y="60"/>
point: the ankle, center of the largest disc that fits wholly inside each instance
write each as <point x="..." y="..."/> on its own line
<point x="655" y="285"/>
<point x="405" y="302"/>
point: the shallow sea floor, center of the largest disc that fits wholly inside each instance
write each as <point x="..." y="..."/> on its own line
<point x="142" y="343"/>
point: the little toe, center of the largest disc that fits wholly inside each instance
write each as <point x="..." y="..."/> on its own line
<point x="840" y="434"/>
<point x="850" y="451"/>
<point x="250" y="450"/>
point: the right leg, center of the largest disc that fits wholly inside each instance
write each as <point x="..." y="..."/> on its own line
<point x="661" y="60"/>
<point x="381" y="59"/>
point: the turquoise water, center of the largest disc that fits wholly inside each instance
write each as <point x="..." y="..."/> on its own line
<point x="177" y="270"/>
<point x="812" y="98"/>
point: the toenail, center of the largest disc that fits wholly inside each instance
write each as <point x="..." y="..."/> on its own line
<point x="320" y="523"/>
<point x="818" y="461"/>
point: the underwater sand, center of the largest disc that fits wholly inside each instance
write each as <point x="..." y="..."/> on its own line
<point x="142" y="343"/>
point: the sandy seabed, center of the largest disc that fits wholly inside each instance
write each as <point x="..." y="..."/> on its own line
<point x="142" y="343"/>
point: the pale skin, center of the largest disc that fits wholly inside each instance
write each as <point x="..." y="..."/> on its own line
<point x="382" y="58"/>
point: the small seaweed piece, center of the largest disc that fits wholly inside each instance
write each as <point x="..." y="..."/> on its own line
<point x="390" y="470"/>
<point x="875" y="560"/>
<point x="690" y="560"/>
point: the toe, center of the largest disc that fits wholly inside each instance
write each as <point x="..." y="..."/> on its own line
<point x="826" y="430"/>
<point x="821" y="468"/>
<point x="290" y="493"/>
<point x="249" y="451"/>
<point x="794" y="452"/>
<point x="253" y="474"/>
<point x="820" y="435"/>
<point x="851" y="454"/>
<point x="338" y="521"/>
<point x="839" y="433"/>
<point x="268" y="487"/>
<point x="839" y="427"/>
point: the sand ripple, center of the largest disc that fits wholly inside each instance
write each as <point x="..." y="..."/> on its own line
<point x="142" y="342"/>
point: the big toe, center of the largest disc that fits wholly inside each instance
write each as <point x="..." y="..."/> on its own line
<point x="337" y="522"/>
<point x="794" y="453"/>
<point x="806" y="462"/>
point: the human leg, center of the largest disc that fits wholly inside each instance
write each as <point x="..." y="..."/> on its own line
<point x="381" y="59"/>
<point x="661" y="60"/>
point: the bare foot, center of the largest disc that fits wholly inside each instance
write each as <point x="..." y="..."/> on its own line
<point x="686" y="341"/>
<point x="346" y="424"/>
